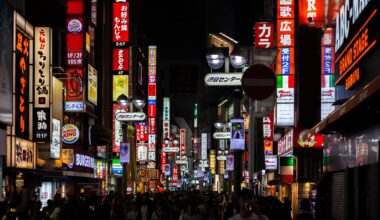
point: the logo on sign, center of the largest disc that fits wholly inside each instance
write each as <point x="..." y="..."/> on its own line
<point x="70" y="134"/>
<point x="74" y="26"/>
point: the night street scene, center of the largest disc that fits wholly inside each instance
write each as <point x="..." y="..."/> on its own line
<point x="189" y="110"/>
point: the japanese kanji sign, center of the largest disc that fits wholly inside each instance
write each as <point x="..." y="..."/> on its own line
<point x="120" y="22"/>
<point x="285" y="32"/>
<point x="285" y="9"/>
<point x="41" y="113"/>
<point x="264" y="34"/>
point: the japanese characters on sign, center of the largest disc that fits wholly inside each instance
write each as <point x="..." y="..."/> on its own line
<point x="182" y="141"/>
<point x="141" y="131"/>
<point x="141" y="152"/>
<point x="264" y="34"/>
<point x="152" y="105"/>
<point x="166" y="118"/>
<point x="223" y="79"/>
<point x="22" y="85"/>
<point x="55" y="146"/>
<point x="152" y="108"/>
<point x="152" y="125"/>
<point x="120" y="60"/>
<point x="285" y="66"/>
<point x="120" y="22"/>
<point x="41" y="113"/>
<point x="117" y="136"/>
<point x="75" y="55"/>
<point x="268" y="127"/>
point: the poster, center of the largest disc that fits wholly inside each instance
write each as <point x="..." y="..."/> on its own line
<point x="237" y="134"/>
<point x="230" y="162"/>
<point x="124" y="152"/>
<point x="25" y="154"/>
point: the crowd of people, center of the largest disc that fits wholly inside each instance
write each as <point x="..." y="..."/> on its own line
<point x="182" y="205"/>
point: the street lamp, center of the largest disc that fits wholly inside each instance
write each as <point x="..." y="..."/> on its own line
<point x="215" y="57"/>
<point x="239" y="57"/>
<point x="124" y="102"/>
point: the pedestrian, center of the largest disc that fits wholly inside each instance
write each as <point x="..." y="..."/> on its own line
<point x="249" y="209"/>
<point x="191" y="212"/>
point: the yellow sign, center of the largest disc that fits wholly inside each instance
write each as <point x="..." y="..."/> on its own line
<point x="120" y="86"/>
<point x="92" y="85"/>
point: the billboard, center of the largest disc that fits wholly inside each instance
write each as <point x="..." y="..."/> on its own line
<point x="120" y="22"/>
<point x="92" y="85"/>
<point x="120" y="86"/>
<point x="237" y="141"/>
<point x="124" y="152"/>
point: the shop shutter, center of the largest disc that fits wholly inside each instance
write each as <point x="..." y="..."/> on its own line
<point x="337" y="196"/>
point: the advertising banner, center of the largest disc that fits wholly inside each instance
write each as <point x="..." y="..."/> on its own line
<point x="268" y="127"/>
<point x="152" y="108"/>
<point x="120" y="22"/>
<point x="120" y="60"/>
<point x="182" y="141"/>
<point x="141" y="131"/>
<point x="152" y="125"/>
<point x="117" y="130"/>
<point x="230" y="162"/>
<point x="212" y="162"/>
<point x="285" y="9"/>
<point x="268" y="147"/>
<point x="237" y="134"/>
<point x="152" y="142"/>
<point x="92" y="85"/>
<point x="120" y="86"/>
<point x="124" y="152"/>
<point x="24" y="154"/>
<point x="311" y="12"/>
<point x="22" y="82"/>
<point x="204" y="146"/>
<point x="141" y="152"/>
<point x="117" y="168"/>
<point x="285" y="114"/>
<point x="285" y="89"/>
<point x="68" y="156"/>
<point x="55" y="146"/>
<point x="285" y="64"/>
<point x="167" y="170"/>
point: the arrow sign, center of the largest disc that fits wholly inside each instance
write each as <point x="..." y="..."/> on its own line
<point x="223" y="79"/>
<point x="130" y="116"/>
<point x="221" y="135"/>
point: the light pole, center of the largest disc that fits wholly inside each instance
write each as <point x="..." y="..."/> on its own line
<point x="124" y="102"/>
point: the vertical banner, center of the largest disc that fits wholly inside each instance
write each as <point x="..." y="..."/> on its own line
<point x="285" y="65"/>
<point x="166" y="118"/>
<point x="117" y="130"/>
<point x="311" y="12"/>
<point x="75" y="56"/>
<point x="230" y="162"/>
<point x="42" y="57"/>
<point x="22" y="82"/>
<point x="120" y="23"/>
<point x="204" y="146"/>
<point x="237" y="134"/>
<point x="212" y="162"/>
<point x="182" y="142"/>
<point x="124" y="152"/>
<point x="92" y="85"/>
<point x="327" y="73"/>
<point x="152" y="105"/>
<point x="55" y="146"/>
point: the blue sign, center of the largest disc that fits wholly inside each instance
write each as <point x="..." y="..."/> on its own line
<point x="117" y="168"/>
<point x="285" y="60"/>
<point x="237" y="134"/>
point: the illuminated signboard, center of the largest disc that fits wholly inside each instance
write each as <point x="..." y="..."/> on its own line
<point x="124" y="152"/>
<point x="204" y="146"/>
<point x="84" y="161"/>
<point x="264" y="34"/>
<point x="285" y="89"/>
<point x="182" y="141"/>
<point x="141" y="131"/>
<point x="117" y="168"/>
<point x="70" y="134"/>
<point x="212" y="161"/>
<point x="163" y="161"/>
<point x="327" y="88"/>
<point x="311" y="12"/>
<point x="120" y="22"/>
<point x="166" y="117"/>
<point x="152" y="108"/>
<point x="120" y="60"/>
<point x="55" y="146"/>
<point x="22" y="85"/>
<point x="74" y="54"/>
<point x="285" y="61"/>
<point x="117" y="131"/>
<point x="356" y="34"/>
<point x="152" y="125"/>
<point x="271" y="162"/>
<point x="152" y="91"/>
<point x="141" y="152"/>
<point x="268" y="147"/>
<point x="268" y="128"/>
<point x="285" y="9"/>
<point x="120" y="86"/>
<point x="285" y="114"/>
<point x="237" y="141"/>
<point x="92" y="85"/>
<point x="152" y="142"/>
<point x="41" y="113"/>
<point x="285" y="35"/>
<point x="23" y="153"/>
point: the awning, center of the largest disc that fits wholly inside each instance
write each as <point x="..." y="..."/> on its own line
<point x="357" y="108"/>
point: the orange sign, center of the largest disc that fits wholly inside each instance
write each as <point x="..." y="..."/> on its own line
<point x="285" y="33"/>
<point x="311" y="12"/>
<point x="285" y="9"/>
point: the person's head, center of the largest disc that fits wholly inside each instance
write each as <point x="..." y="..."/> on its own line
<point x="50" y="202"/>
<point x="246" y="202"/>
<point x="191" y="206"/>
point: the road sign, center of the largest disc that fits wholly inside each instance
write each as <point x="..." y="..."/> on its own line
<point x="221" y="135"/>
<point x="258" y="82"/>
<point x="223" y="79"/>
<point x="130" y="116"/>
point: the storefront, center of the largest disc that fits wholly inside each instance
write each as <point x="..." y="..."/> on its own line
<point x="349" y="187"/>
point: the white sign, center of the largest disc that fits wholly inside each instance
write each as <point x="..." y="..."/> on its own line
<point x="221" y="135"/>
<point x="285" y="114"/>
<point x="42" y="67"/>
<point x="152" y="155"/>
<point x="223" y="79"/>
<point x="142" y="153"/>
<point x="285" y="95"/>
<point x="55" y="146"/>
<point x="221" y="157"/>
<point x="171" y="149"/>
<point x="203" y="165"/>
<point x="204" y="146"/>
<point x="130" y="116"/>
<point x="271" y="162"/>
<point x="74" y="106"/>
<point x="181" y="161"/>
<point x="152" y="142"/>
